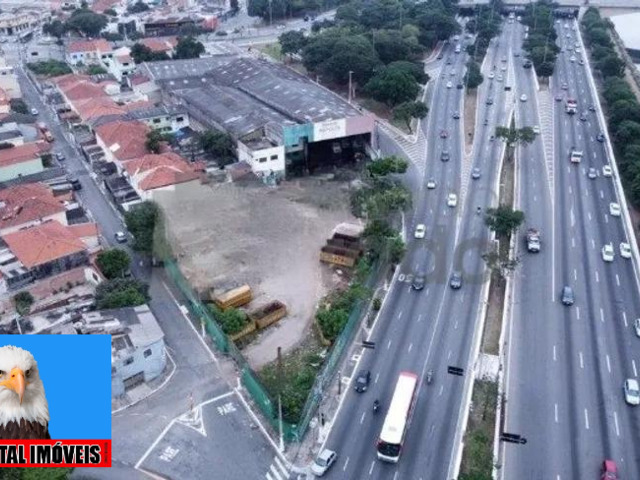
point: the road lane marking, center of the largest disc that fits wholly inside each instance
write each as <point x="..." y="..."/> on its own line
<point x="624" y="318"/>
<point x="615" y="422"/>
<point x="602" y="315"/>
<point x="410" y="347"/>
<point x="395" y="475"/>
<point x="617" y="279"/>
<point x="388" y="344"/>
<point x="555" y="407"/>
<point x="597" y="277"/>
<point x="593" y="243"/>
<point x="345" y="464"/>
<point x="362" y="418"/>
<point x="400" y="314"/>
<point x="420" y="317"/>
<point x="455" y="325"/>
<point x="575" y="274"/>
<point x="371" y="469"/>
<point x="578" y="313"/>
<point x="573" y="244"/>
<point x="449" y="355"/>
<point x="589" y="215"/>
<point x="441" y="390"/>
<point x="606" y="219"/>
<point x="581" y="360"/>
<point x="376" y="379"/>
<point x="601" y="194"/>
<point x="608" y="364"/>
<point x="635" y="371"/>
<point x="586" y="419"/>
<point x="554" y="354"/>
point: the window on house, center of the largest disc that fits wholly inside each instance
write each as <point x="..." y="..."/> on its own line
<point x="156" y="120"/>
<point x="179" y="119"/>
<point x="147" y="353"/>
<point x="274" y="157"/>
<point x="128" y="361"/>
<point x="262" y="160"/>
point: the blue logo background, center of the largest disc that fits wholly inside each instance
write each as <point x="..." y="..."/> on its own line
<point x="76" y="372"/>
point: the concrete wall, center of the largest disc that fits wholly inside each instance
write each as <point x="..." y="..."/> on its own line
<point x="151" y="365"/>
<point x="264" y="161"/>
<point x="21" y="169"/>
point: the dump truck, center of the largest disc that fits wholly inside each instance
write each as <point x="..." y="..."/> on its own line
<point x="45" y="131"/>
<point x="533" y="240"/>
<point x="269" y="313"/>
<point x="235" y="297"/>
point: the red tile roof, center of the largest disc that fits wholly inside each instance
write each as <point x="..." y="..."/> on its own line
<point x="159" y="44"/>
<point x="43" y="243"/>
<point x="26" y="203"/>
<point x="83" y="230"/>
<point x="22" y="153"/>
<point x="155" y="171"/>
<point x="125" y="139"/>
<point x="97" y="107"/>
<point x="97" y="45"/>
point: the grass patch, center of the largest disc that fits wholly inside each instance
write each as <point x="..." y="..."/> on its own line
<point x="273" y="50"/>
<point x="299" y="370"/>
<point x="49" y="68"/>
<point x="477" y="458"/>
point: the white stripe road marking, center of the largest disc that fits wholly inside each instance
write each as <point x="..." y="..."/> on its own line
<point x="282" y="467"/>
<point x="345" y="464"/>
<point x="410" y="347"/>
<point x="372" y="465"/>
<point x="624" y="318"/>
<point x="275" y="472"/>
<point x="601" y="194"/>
<point x="400" y="315"/>
<point x="377" y="376"/>
<point x="573" y="243"/>
<point x="589" y="215"/>
<point x="555" y="407"/>
<point x="388" y="344"/>
<point x="362" y="418"/>
<point x="578" y="313"/>
<point x="617" y="279"/>
<point x="554" y="354"/>
<point x="269" y="477"/>
<point x="420" y="317"/>
<point x="455" y="325"/>
<point x="575" y="274"/>
<point x="586" y="419"/>
<point x="602" y="315"/>
<point x="593" y="243"/>
<point x="395" y="475"/>
<point x="635" y="371"/>
<point x="581" y="360"/>
<point x="597" y="277"/>
<point x="570" y="190"/>
<point x="606" y="219"/>
<point x="608" y="364"/>
<point x="615" y="422"/>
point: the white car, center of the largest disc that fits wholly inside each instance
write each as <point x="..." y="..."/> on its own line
<point x="452" y="200"/>
<point x="421" y="230"/>
<point x="120" y="237"/>
<point x="608" y="253"/>
<point x="323" y="461"/>
<point x="631" y="391"/>
<point x="572" y="59"/>
<point x="503" y="68"/>
<point x="636" y="326"/>
<point x="607" y="171"/>
<point x="523" y="97"/>
<point x="34" y="111"/>
<point x="491" y="75"/>
<point x="536" y="129"/>
<point x="625" y="250"/>
<point x="614" y="209"/>
<point x="449" y="85"/>
<point x="578" y="50"/>
<point x="499" y="78"/>
<point x="431" y="184"/>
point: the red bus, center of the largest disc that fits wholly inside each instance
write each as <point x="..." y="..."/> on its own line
<point x="397" y="419"/>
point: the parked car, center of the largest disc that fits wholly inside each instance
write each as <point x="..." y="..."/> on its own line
<point x="362" y="381"/>
<point x="631" y="391"/>
<point x="34" y="111"/>
<point x="120" y="237"/>
<point x="323" y="462"/>
<point x="567" y="297"/>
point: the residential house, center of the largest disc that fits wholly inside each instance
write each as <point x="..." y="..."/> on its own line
<point x="9" y="80"/>
<point x="122" y="140"/>
<point x="152" y="173"/>
<point x="26" y="205"/>
<point x="164" y="45"/>
<point x="5" y="105"/>
<point x="22" y="160"/>
<point x="165" y="118"/>
<point x="9" y="133"/>
<point x="90" y="52"/>
<point x="42" y="251"/>
<point x="122" y="64"/>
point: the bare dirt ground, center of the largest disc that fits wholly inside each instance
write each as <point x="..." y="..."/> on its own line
<point x="226" y="235"/>
<point x="470" y="105"/>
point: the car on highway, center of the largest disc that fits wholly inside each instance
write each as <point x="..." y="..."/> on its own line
<point x="614" y="209"/>
<point x="60" y="156"/>
<point x="489" y="101"/>
<point x="504" y="59"/>
<point x="516" y="54"/>
<point x="592" y="173"/>
<point x="323" y="462"/>
<point x="592" y="108"/>
<point x="431" y="184"/>
<point x="34" y="111"/>
<point x="559" y="97"/>
<point x="421" y="230"/>
<point x="439" y="57"/>
<point x="527" y="64"/>
<point x="362" y="381"/>
<point x="564" y="86"/>
<point x="572" y="59"/>
<point x="475" y="173"/>
<point x="581" y="62"/>
<point x="419" y="280"/>
<point x="499" y="78"/>
<point x="600" y="137"/>
<point x="448" y="62"/>
<point x="583" y="117"/>
<point x="459" y="86"/>
<point x="631" y="391"/>
<point x="452" y="200"/>
<point x="609" y="470"/>
<point x="455" y="280"/>
<point x="523" y="97"/>
<point x="445" y="156"/>
<point x="491" y="75"/>
<point x="607" y="171"/>
<point x="456" y="115"/>
<point x="567" y="297"/>
<point x="625" y="250"/>
<point x="120" y="237"/>
<point x="536" y="129"/>
<point x="444" y="134"/>
<point x="636" y="326"/>
<point x="607" y="253"/>
<point x="503" y="68"/>
<point x="578" y="50"/>
<point x="449" y="85"/>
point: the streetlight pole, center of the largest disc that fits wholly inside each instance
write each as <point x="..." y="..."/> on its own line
<point x="350" y="86"/>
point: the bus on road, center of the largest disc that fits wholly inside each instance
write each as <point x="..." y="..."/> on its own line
<point x="397" y="419"/>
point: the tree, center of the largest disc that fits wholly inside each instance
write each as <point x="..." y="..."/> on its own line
<point x="292" y="42"/>
<point x="54" y="29"/>
<point x="387" y="165"/>
<point x="617" y="89"/>
<point x="611" y="66"/>
<point x="141" y="53"/>
<point x="95" y="70"/>
<point x="331" y="321"/>
<point x="416" y="70"/>
<point x="141" y="221"/>
<point x="219" y="145"/>
<point x="188" y="47"/>
<point x="154" y="141"/>
<point x="19" y="106"/>
<point x="121" y="292"/>
<point x="110" y="12"/>
<point x="235" y="6"/>
<point x="627" y="132"/>
<point x="473" y="78"/>
<point x="624" y="110"/>
<point x="406" y="111"/>
<point x="113" y="263"/>
<point x="503" y="220"/>
<point x="231" y="320"/>
<point x="514" y="136"/>
<point x="23" y="301"/>
<point x="545" y="69"/>
<point x="392" y="87"/>
<point x="86" y="22"/>
<point x="391" y="46"/>
<point x="138" y="7"/>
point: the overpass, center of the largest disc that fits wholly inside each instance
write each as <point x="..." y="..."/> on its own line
<point x="627" y="4"/>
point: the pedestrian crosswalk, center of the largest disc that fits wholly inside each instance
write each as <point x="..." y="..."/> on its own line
<point x="277" y="470"/>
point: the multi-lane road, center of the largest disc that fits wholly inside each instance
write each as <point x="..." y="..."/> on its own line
<point x="568" y="364"/>
<point x="437" y="327"/>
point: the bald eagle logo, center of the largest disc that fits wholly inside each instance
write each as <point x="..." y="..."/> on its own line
<point x="24" y="412"/>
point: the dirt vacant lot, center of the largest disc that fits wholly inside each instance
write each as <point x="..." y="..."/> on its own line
<point x="226" y="235"/>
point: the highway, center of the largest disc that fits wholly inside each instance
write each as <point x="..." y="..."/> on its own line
<point x="566" y="365"/>
<point x="433" y="328"/>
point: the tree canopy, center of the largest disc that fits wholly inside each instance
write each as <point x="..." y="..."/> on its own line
<point x="473" y="78"/>
<point x="141" y="53"/>
<point x="188" y="47"/>
<point x="113" y="263"/>
<point x="141" y="222"/>
<point x="407" y="111"/>
<point x="292" y="42"/>
<point x="392" y="87"/>
<point x="219" y="145"/>
<point x="121" y="292"/>
<point x="503" y="220"/>
<point x="86" y="22"/>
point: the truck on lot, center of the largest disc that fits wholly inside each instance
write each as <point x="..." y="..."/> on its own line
<point x="571" y="106"/>
<point x="533" y="240"/>
<point x="235" y="297"/>
<point x="42" y="127"/>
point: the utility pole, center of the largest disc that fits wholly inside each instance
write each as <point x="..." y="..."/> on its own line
<point x="270" y="14"/>
<point x="350" y="86"/>
<point x="280" y="394"/>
